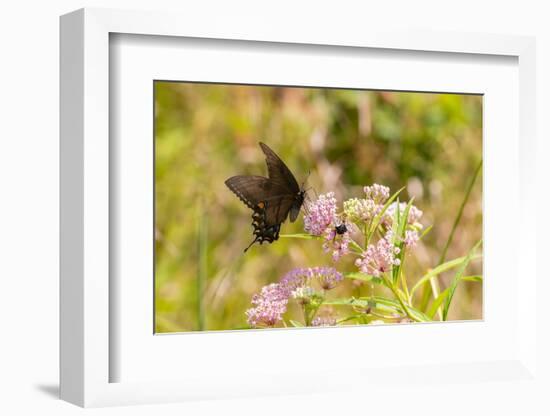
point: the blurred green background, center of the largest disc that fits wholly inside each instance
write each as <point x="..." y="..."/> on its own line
<point x="205" y="133"/>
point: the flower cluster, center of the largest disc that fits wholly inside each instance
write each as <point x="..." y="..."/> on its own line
<point x="379" y="194"/>
<point x="269" y="306"/>
<point x="328" y="277"/>
<point x="379" y="258"/>
<point x="413" y="222"/>
<point x="361" y="209"/>
<point x="413" y="219"/>
<point x="321" y="219"/>
<point x="411" y="238"/>
<point x="320" y="214"/>
<point x="365" y="209"/>
<point x="271" y="303"/>
<point x="337" y="243"/>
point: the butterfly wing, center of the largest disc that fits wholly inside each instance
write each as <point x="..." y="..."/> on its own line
<point x="262" y="195"/>
<point x="250" y="189"/>
<point x="277" y="209"/>
<point x="278" y="171"/>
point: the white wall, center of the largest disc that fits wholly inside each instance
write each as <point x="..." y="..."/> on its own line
<point x="29" y="56"/>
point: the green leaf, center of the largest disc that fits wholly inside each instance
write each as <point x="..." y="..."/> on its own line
<point x="434" y="283"/>
<point x="472" y="278"/>
<point x="363" y="277"/>
<point x="377" y="302"/>
<point x="418" y="315"/>
<point x="437" y="303"/>
<point x="376" y="220"/>
<point x="426" y="231"/>
<point x="302" y="236"/>
<point x="440" y="269"/>
<point x="457" y="278"/>
<point x="404" y="220"/>
<point x="399" y="237"/>
<point x="381" y="303"/>
<point x="348" y="302"/>
<point x="439" y="297"/>
<point x="380" y="300"/>
<point x="349" y="318"/>
<point x="296" y="324"/>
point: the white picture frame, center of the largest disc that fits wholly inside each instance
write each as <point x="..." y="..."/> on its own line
<point x="87" y="309"/>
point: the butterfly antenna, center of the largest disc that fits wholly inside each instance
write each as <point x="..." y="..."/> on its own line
<point x="305" y="180"/>
<point x="314" y="191"/>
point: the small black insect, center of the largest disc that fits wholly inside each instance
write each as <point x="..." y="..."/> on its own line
<point x="271" y="199"/>
<point x="341" y="229"/>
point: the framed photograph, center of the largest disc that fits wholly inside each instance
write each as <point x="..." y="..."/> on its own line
<point x="256" y="213"/>
<point x="351" y="257"/>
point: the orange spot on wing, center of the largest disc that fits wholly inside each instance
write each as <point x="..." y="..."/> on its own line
<point x="261" y="205"/>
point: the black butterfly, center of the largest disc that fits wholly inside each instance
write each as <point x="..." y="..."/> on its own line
<point x="272" y="199"/>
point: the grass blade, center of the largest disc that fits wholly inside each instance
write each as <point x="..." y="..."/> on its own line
<point x="472" y="278"/>
<point x="418" y="315"/>
<point x="440" y="269"/>
<point x="460" y="211"/>
<point x="426" y="231"/>
<point x="427" y="291"/>
<point x="434" y="284"/>
<point x="457" y="279"/>
<point x="434" y="307"/>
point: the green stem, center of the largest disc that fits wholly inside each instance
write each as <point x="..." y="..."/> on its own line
<point x="306" y="315"/>
<point x="401" y="302"/>
<point x="404" y="284"/>
<point x="202" y="270"/>
<point x="354" y="244"/>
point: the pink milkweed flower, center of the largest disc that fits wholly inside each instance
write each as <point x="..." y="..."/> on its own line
<point x="361" y="209"/>
<point x="269" y="306"/>
<point x="379" y="194"/>
<point x="320" y="214"/>
<point x="328" y="277"/>
<point x="379" y="258"/>
<point x="337" y="243"/>
<point x="365" y="209"/>
<point x="271" y="303"/>
<point x="414" y="214"/>
<point x="411" y="238"/>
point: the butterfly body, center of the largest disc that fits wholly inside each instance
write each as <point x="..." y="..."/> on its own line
<point x="272" y="199"/>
